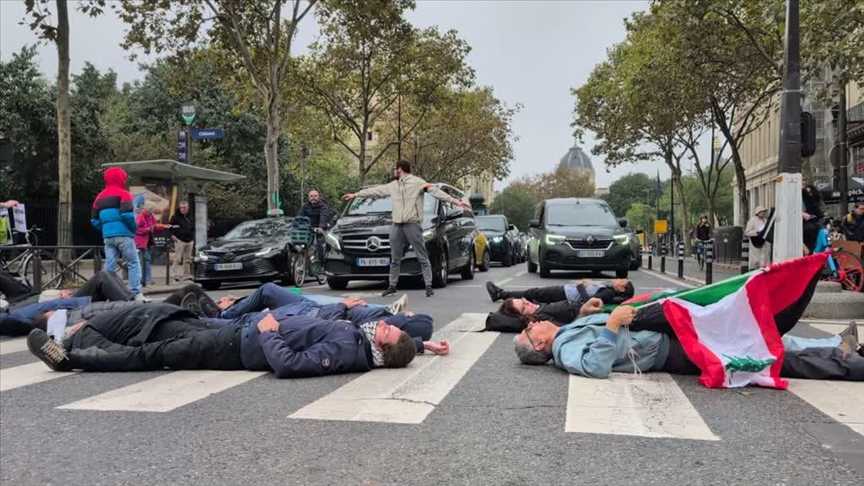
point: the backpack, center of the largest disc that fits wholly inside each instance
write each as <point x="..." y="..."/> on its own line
<point x="501" y="323"/>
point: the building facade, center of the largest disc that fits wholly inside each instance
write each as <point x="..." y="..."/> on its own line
<point x="577" y="159"/>
<point x="482" y="184"/>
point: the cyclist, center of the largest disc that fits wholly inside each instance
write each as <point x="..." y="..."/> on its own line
<point x="319" y="214"/>
<point x="853" y="223"/>
<point x="703" y="234"/>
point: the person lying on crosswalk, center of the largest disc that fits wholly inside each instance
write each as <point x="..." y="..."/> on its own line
<point x="160" y="336"/>
<point x="597" y="345"/>
<point x="616" y="292"/>
<point x="104" y="286"/>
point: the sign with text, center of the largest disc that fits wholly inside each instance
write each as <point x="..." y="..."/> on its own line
<point x="206" y="133"/>
<point x="188" y="111"/>
<point x="20" y="217"/>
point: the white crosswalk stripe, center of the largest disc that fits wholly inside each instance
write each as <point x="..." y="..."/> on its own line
<point x="841" y="400"/>
<point x="647" y="405"/>
<point x="407" y="395"/>
<point x="8" y="346"/>
<point x="29" y="374"/>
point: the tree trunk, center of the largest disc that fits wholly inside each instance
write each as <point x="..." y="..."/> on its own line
<point x="741" y="183"/>
<point x="271" y="155"/>
<point x="362" y="158"/>
<point x="685" y="214"/>
<point x="64" y="152"/>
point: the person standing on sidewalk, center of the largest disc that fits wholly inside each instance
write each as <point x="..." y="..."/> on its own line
<point x="113" y="214"/>
<point x="144" y="237"/>
<point x="183" y="233"/>
<point x="760" y="250"/>
<point x="407" y="192"/>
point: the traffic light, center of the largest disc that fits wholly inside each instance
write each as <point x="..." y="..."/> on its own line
<point x="808" y="134"/>
<point x="182" y="147"/>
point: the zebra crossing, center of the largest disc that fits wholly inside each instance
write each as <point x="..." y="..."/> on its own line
<point x="651" y="405"/>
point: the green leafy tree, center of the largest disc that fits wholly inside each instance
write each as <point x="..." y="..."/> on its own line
<point x="515" y="203"/>
<point x="630" y="189"/>
<point x="558" y="183"/>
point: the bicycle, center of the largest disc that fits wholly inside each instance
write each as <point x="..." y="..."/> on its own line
<point x="21" y="267"/>
<point x="304" y="258"/>
<point x="842" y="267"/>
<point x="700" y="253"/>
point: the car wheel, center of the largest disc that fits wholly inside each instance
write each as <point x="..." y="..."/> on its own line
<point x="544" y="270"/>
<point x="440" y="273"/>
<point x="634" y="264"/>
<point x="487" y="261"/>
<point x="211" y="285"/>
<point x="468" y="270"/>
<point x="621" y="273"/>
<point x="532" y="267"/>
<point x="508" y="260"/>
<point x="336" y="283"/>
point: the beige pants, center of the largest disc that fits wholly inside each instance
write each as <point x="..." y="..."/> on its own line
<point x="182" y="258"/>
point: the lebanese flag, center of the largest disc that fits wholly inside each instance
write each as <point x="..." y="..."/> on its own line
<point x="728" y="329"/>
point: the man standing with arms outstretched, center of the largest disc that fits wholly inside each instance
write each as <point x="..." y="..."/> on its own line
<point x="406" y="192"/>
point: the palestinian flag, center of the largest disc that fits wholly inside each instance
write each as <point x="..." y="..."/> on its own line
<point x="728" y="329"/>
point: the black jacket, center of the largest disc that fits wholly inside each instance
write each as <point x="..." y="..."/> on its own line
<point x="133" y="325"/>
<point x="703" y="232"/>
<point x="90" y="311"/>
<point x="319" y="215"/>
<point x="186" y="230"/>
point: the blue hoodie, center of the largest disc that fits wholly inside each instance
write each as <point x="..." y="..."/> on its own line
<point x="587" y="348"/>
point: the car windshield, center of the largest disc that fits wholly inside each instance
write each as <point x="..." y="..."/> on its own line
<point x="580" y="214"/>
<point x="491" y="224"/>
<point x="262" y="228"/>
<point x="363" y="206"/>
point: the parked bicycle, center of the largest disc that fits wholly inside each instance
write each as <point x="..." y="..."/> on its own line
<point x="21" y="266"/>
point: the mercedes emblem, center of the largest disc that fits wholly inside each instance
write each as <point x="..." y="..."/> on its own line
<point x="373" y="243"/>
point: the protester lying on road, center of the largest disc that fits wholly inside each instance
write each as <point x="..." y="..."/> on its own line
<point x="595" y="346"/>
<point x="159" y="336"/>
<point x="616" y="292"/>
<point x="104" y="286"/>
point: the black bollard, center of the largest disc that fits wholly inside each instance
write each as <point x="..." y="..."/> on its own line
<point x="36" y="267"/>
<point x="709" y="262"/>
<point x="681" y="260"/>
<point x="745" y="255"/>
<point x="663" y="259"/>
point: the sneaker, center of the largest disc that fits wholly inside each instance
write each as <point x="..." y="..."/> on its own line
<point x="140" y="298"/>
<point x="389" y="291"/>
<point x="207" y="307"/>
<point x="494" y="291"/>
<point x="48" y="350"/>
<point x="429" y="292"/>
<point x="848" y="345"/>
<point x="398" y="306"/>
<point x="190" y="303"/>
<point x="851" y="330"/>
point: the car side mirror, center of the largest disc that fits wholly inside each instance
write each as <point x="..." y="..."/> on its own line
<point x="534" y="223"/>
<point x="512" y="227"/>
<point x="622" y="222"/>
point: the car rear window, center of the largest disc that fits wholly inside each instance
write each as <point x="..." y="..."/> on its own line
<point x="491" y="224"/>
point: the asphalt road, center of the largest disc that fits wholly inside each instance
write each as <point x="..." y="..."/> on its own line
<point x="474" y="417"/>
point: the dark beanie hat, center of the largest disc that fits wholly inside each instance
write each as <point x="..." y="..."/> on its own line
<point x="629" y="290"/>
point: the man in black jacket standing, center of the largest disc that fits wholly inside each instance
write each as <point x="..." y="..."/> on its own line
<point x="319" y="214"/>
<point x="183" y="234"/>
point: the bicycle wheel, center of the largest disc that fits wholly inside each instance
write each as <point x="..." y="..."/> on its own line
<point x="298" y="268"/>
<point x="316" y="268"/>
<point x="850" y="271"/>
<point x="48" y="281"/>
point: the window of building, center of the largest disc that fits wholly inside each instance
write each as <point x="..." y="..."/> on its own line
<point x="857" y="161"/>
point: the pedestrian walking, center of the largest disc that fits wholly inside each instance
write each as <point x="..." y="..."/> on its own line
<point x="183" y="233"/>
<point x="113" y="214"/>
<point x="407" y="192"/>
<point x="760" y="250"/>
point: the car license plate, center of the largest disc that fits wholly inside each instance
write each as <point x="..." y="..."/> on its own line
<point x="373" y="262"/>
<point x="220" y="267"/>
<point x="591" y="253"/>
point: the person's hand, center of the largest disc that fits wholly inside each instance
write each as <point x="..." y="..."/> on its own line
<point x="349" y="196"/>
<point x="268" y="324"/>
<point x="463" y="204"/>
<point x="622" y="316"/>
<point x="806" y="216"/>
<point x="352" y="302"/>
<point x="593" y="306"/>
<point x="440" y="348"/>
<point x="10" y="204"/>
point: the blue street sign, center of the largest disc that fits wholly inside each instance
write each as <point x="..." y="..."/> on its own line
<point x="206" y="133"/>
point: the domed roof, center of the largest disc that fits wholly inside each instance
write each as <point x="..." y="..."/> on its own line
<point x="575" y="158"/>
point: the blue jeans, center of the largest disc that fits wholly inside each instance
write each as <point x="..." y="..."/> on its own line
<point x="267" y="296"/>
<point x="145" y="259"/>
<point x="124" y="247"/>
<point x="795" y="343"/>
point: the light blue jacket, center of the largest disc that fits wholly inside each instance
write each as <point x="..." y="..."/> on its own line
<point x="587" y="348"/>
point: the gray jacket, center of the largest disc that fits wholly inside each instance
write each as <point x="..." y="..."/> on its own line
<point x="90" y="311"/>
<point x="407" y="197"/>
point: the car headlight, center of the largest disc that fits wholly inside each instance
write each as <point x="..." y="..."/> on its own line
<point x="497" y="239"/>
<point x="332" y="240"/>
<point x="264" y="251"/>
<point x="622" y="239"/>
<point x="202" y="256"/>
<point x="428" y="235"/>
<point x="554" y="239"/>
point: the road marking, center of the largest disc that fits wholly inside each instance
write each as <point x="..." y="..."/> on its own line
<point x="504" y="282"/>
<point x="836" y="328"/>
<point x="406" y="395"/>
<point x="523" y="272"/>
<point x="13" y="345"/>
<point x="28" y="374"/>
<point x="648" y="405"/>
<point x="843" y="401"/>
<point x="670" y="280"/>
<point x="165" y="393"/>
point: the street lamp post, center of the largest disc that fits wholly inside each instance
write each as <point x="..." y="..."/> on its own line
<point x="304" y="152"/>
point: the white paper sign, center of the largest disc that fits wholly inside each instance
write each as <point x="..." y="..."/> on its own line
<point x="20" y="217"/>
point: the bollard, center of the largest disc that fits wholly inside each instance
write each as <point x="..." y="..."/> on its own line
<point x="663" y="259"/>
<point x="167" y="267"/>
<point x="709" y="262"/>
<point x="745" y="255"/>
<point x="97" y="262"/>
<point x="37" y="271"/>
<point x="650" y="261"/>
<point x="681" y="260"/>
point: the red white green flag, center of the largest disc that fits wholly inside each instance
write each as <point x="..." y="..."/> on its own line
<point x="728" y="329"/>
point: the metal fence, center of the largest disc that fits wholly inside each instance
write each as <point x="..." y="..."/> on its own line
<point x="45" y="217"/>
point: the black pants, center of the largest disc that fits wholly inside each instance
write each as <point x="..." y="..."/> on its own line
<point x="540" y="295"/>
<point x="191" y="347"/>
<point x="13" y="289"/>
<point x="811" y="232"/>
<point x="105" y="286"/>
<point x="810" y="364"/>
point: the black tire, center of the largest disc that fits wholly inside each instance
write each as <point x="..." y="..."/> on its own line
<point x="544" y="270"/>
<point x="297" y="269"/>
<point x="468" y="270"/>
<point x="487" y="261"/>
<point x="532" y="267"/>
<point x="621" y="273"/>
<point x="634" y="264"/>
<point x="440" y="273"/>
<point x="211" y="285"/>
<point x="508" y="260"/>
<point x="336" y="283"/>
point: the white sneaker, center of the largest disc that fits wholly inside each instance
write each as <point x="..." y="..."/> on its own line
<point x="400" y="305"/>
<point x="140" y="298"/>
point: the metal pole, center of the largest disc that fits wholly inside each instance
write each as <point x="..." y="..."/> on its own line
<point x="745" y="255"/>
<point x="399" y="130"/>
<point x="681" y="260"/>
<point x="37" y="271"/>
<point x="843" y="176"/>
<point x="304" y="152"/>
<point x="709" y="262"/>
<point x="672" y="210"/>
<point x="663" y="258"/>
<point x="788" y="228"/>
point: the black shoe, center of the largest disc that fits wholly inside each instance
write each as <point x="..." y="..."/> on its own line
<point x="429" y="292"/>
<point x="208" y="308"/>
<point x="494" y="291"/>
<point x="389" y="291"/>
<point x="190" y="303"/>
<point x="49" y="351"/>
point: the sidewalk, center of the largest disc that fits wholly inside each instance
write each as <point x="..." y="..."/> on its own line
<point x="161" y="286"/>
<point x="692" y="273"/>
